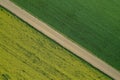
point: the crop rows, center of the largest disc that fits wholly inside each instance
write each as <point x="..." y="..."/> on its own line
<point x="26" y="54"/>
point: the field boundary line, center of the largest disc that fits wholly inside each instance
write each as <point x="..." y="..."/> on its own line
<point x="60" y="39"/>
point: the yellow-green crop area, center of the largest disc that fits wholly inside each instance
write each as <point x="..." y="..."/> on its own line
<point x="26" y="54"/>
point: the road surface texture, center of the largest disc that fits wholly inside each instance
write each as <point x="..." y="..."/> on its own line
<point x="60" y="39"/>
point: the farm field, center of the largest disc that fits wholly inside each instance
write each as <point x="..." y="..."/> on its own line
<point x="27" y="54"/>
<point x="93" y="24"/>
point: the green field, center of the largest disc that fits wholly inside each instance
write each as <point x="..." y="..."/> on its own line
<point x="26" y="54"/>
<point x="94" y="24"/>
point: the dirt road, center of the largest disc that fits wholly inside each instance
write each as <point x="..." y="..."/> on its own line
<point x="63" y="41"/>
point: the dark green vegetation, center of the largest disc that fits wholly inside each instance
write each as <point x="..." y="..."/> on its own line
<point x="94" y="24"/>
<point x="26" y="54"/>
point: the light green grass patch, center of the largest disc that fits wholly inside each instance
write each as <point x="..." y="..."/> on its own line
<point x="26" y="54"/>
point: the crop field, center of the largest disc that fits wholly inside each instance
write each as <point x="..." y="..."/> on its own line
<point x="94" y="24"/>
<point x="26" y="54"/>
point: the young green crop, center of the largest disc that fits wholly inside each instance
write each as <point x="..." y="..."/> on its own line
<point x="94" y="24"/>
<point x="26" y="54"/>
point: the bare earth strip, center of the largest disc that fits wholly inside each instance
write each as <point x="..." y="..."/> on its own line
<point x="71" y="46"/>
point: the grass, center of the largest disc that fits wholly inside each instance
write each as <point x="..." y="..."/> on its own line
<point x="26" y="54"/>
<point x="94" y="24"/>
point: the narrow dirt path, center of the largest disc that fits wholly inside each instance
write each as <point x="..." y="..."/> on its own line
<point x="63" y="41"/>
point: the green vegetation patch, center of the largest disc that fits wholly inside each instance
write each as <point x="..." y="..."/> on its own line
<point x="26" y="54"/>
<point x="94" y="24"/>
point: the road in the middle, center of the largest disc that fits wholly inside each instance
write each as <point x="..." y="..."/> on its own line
<point x="63" y="41"/>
